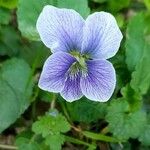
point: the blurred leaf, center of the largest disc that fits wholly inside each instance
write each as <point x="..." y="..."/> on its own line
<point x="9" y="108"/>
<point x="137" y="52"/>
<point x="143" y="147"/>
<point x="80" y="6"/>
<point x="55" y="141"/>
<point x="51" y="124"/>
<point x="27" y="144"/>
<point x="27" y="21"/>
<point x="17" y="73"/>
<point x="147" y="4"/>
<point x="123" y="123"/>
<point x="35" y="53"/>
<point x="133" y="98"/>
<point x="100" y="137"/>
<point x="135" y="42"/>
<point x="100" y="1"/>
<point x="9" y="41"/>
<point x="123" y="146"/>
<point x="118" y="5"/>
<point x="77" y="141"/>
<point x="120" y="20"/>
<point x="144" y="137"/>
<point x="11" y="44"/>
<point x="5" y="16"/>
<point x="122" y="73"/>
<point x="141" y="76"/>
<point x="9" y="3"/>
<point x="21" y="140"/>
<point x="15" y="91"/>
<point x="85" y="110"/>
<point x="46" y="96"/>
<point x="25" y="134"/>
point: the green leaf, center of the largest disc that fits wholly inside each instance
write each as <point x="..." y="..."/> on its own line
<point x="137" y="52"/>
<point x="118" y="5"/>
<point x="9" y="37"/>
<point x="55" y="141"/>
<point x="123" y="123"/>
<point x="17" y="73"/>
<point x="27" y="144"/>
<point x="46" y="96"/>
<point x="8" y="105"/>
<point x="133" y="98"/>
<point x="123" y="146"/>
<point x="9" y="3"/>
<point x="30" y="19"/>
<point x="79" y="142"/>
<point x="100" y="1"/>
<point x="100" y="137"/>
<point x="86" y="110"/>
<point x="135" y="42"/>
<point x="27" y="21"/>
<point x="144" y="147"/>
<point x="5" y="16"/>
<point x="25" y="134"/>
<point x="120" y="20"/>
<point x="122" y="73"/>
<point x="50" y="124"/>
<point x="141" y="76"/>
<point x="81" y="6"/>
<point x="147" y="4"/>
<point x="34" y="50"/>
<point x="15" y="91"/>
<point x="144" y="137"/>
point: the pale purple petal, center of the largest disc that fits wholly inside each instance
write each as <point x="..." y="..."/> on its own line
<point x="101" y="36"/>
<point x="60" y="29"/>
<point x="72" y="90"/>
<point x="52" y="78"/>
<point x="99" y="83"/>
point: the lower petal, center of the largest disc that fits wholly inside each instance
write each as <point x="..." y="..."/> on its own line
<point x="52" y="78"/>
<point x="72" y="89"/>
<point x="100" y="81"/>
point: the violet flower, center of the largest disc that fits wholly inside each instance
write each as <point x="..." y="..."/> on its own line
<point x="78" y="65"/>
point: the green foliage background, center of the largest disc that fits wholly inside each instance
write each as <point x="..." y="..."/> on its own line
<point x="37" y="120"/>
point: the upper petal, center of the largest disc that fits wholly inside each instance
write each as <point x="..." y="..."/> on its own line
<point x="60" y="29"/>
<point x="100" y="81"/>
<point x="101" y="36"/>
<point x="72" y="90"/>
<point x="53" y="76"/>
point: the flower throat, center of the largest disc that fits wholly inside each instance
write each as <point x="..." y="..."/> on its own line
<point x="79" y="66"/>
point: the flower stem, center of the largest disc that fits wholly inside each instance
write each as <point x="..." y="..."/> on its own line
<point x="52" y="106"/>
<point x="8" y="147"/>
<point x="63" y="106"/>
<point x="76" y="129"/>
<point x="77" y="141"/>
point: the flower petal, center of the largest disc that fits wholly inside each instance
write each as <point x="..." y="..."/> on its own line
<point x="72" y="90"/>
<point x="53" y="76"/>
<point x="99" y="83"/>
<point x="60" y="29"/>
<point x="101" y="36"/>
